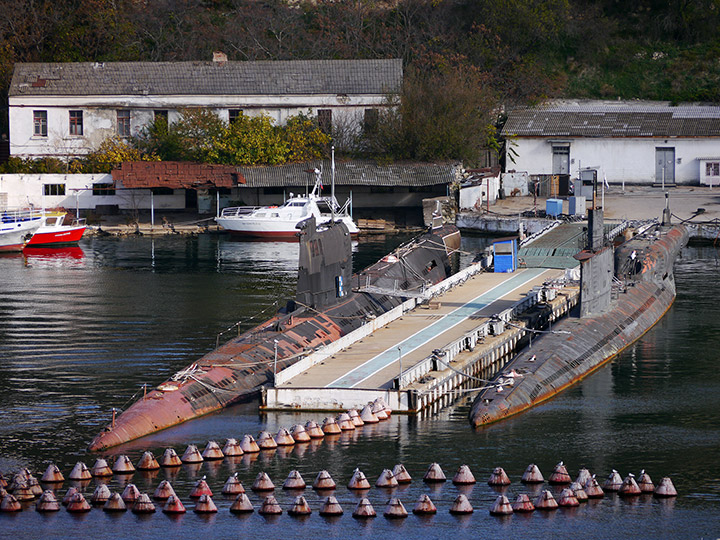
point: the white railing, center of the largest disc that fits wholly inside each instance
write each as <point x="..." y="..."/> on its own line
<point x="13" y="215"/>
<point x="234" y="211"/>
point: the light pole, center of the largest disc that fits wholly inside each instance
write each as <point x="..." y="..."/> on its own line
<point x="275" y="364"/>
<point x="400" y="361"/>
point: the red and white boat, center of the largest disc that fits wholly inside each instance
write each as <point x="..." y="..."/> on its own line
<point x="17" y="227"/>
<point x="54" y="233"/>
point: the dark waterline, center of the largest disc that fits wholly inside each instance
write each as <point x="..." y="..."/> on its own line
<point x="82" y="330"/>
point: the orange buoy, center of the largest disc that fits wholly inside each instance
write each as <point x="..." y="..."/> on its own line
<point x="546" y="501"/>
<point x="323" y="481"/>
<point x="461" y="505"/>
<point x="300" y="507"/>
<point x="34" y="485"/>
<point x="395" y="509"/>
<point x="613" y="482"/>
<point x="130" y="493"/>
<point x="232" y="448"/>
<point x="266" y="441"/>
<point x="101" y="469"/>
<point x="501" y="507"/>
<point x="364" y="509"/>
<point x="294" y="481"/>
<point x="463" y="476"/>
<point x="143" y="505"/>
<point x="579" y="492"/>
<point x="331" y="507"/>
<point x="270" y="507"/>
<point x="314" y="430"/>
<point x="48" y="502"/>
<point x="645" y="483"/>
<point x="284" y="438"/>
<point x="344" y="422"/>
<point x="386" y="480"/>
<point x="192" y="455"/>
<point x="434" y="474"/>
<point x="299" y="434"/>
<point x="174" y="505"/>
<point x="593" y="489"/>
<point x="212" y="451"/>
<point x="355" y="417"/>
<point x="523" y="504"/>
<point x="123" y="465"/>
<point x="200" y="488"/>
<point x="560" y="475"/>
<point x="358" y="481"/>
<point x="205" y="505"/>
<point x="401" y="475"/>
<point x="330" y="426"/>
<point x="101" y="495"/>
<point x="424" y="506"/>
<point x="567" y="498"/>
<point x="78" y="504"/>
<point x="52" y="475"/>
<point x="23" y="492"/>
<point x="367" y="415"/>
<point x="148" y="462"/>
<point x="263" y="483"/>
<point x="248" y="444"/>
<point x="629" y="487"/>
<point x="3" y="481"/>
<point x="68" y="495"/>
<point x="170" y="458"/>
<point x="80" y="472"/>
<point x="233" y="485"/>
<point x="665" y="488"/>
<point x="242" y="505"/>
<point x="532" y="475"/>
<point x="498" y="477"/>
<point x="583" y="476"/>
<point x="164" y="491"/>
<point x="10" y="504"/>
<point x="378" y="410"/>
<point x="115" y="504"/>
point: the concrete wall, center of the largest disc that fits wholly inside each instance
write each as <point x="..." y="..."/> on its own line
<point x="473" y="197"/>
<point x="629" y="160"/>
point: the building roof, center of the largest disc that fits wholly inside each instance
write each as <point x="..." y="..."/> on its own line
<point x="614" y="119"/>
<point x="175" y="175"/>
<point x="207" y="78"/>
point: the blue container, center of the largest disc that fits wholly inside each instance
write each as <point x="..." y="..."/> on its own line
<point x="505" y="254"/>
<point x="553" y="207"/>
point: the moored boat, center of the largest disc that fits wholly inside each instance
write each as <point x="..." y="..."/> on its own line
<point x="17" y="228"/>
<point x="53" y="231"/>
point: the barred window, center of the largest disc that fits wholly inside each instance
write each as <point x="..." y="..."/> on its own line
<point x="76" y="122"/>
<point x="123" y="123"/>
<point x="40" y="123"/>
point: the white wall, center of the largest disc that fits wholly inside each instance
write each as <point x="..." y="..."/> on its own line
<point x="628" y="160"/>
<point x="473" y="197"/>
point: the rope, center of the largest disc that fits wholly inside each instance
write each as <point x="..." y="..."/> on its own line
<point x="463" y="374"/>
<point x="537" y="331"/>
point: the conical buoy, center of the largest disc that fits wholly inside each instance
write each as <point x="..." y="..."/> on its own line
<point x="115" y="504"/>
<point x="593" y="489"/>
<point x="567" y="498"/>
<point x="464" y="476"/>
<point x="330" y="426"/>
<point x="501" y="507"/>
<point x="200" y="488"/>
<point x="232" y="448"/>
<point x="143" y="505"/>
<point x="101" y="495"/>
<point x="629" y="487"/>
<point x="665" y="488"/>
<point x="164" y="491"/>
<point x="3" y="481"/>
<point x="323" y="481"/>
<point x="212" y="451"/>
<point x="174" y="505"/>
<point x="148" y="462"/>
<point x="233" y="486"/>
<point x="314" y="430"/>
<point x="364" y="509"/>
<point x="192" y="455"/>
<point x="461" y="505"/>
<point x="34" y="486"/>
<point x="498" y="477"/>
<point x="613" y="482"/>
<point x="205" y="505"/>
<point x="532" y="475"/>
<point x="78" y="504"/>
<point x="358" y="481"/>
<point x="10" y="504"/>
<point x="560" y="475"/>
<point x="248" y="444"/>
<point x="386" y="480"/>
<point x="123" y="465"/>
<point x="263" y="483"/>
<point x="388" y="410"/>
<point x="69" y="495"/>
<point x="367" y="415"/>
<point x="47" y="502"/>
<point x="331" y="507"/>
<point x="101" y="469"/>
<point x="645" y="483"/>
<point x="270" y="507"/>
<point x="395" y="509"/>
<point x="583" y="476"/>
<point x="242" y="505"/>
<point x="401" y="475"/>
<point x="344" y="422"/>
<point x="170" y="458"/>
<point x="434" y="474"/>
<point x="546" y="501"/>
<point x="294" y="481"/>
<point x="52" y="475"/>
<point x="266" y="441"/>
<point x="355" y="417"/>
<point x="23" y="492"/>
<point x="80" y="472"/>
<point x="378" y="409"/>
<point x="300" y="507"/>
<point x="579" y="492"/>
<point x="424" y="506"/>
<point x="299" y="434"/>
<point x="130" y="493"/>
<point x="523" y="504"/>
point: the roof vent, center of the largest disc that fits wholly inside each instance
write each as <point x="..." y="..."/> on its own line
<point x="98" y="65"/>
<point x="220" y="58"/>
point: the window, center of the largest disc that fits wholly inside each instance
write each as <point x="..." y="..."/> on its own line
<point x="40" y="123"/>
<point x="123" y="123"/>
<point x="76" y="122"/>
<point x="161" y="114"/>
<point x="54" y="189"/>
<point x="325" y="120"/>
<point x="712" y="168"/>
<point x="370" y="121"/>
<point x="161" y="120"/>
<point x="234" y="114"/>
<point x="102" y="189"/>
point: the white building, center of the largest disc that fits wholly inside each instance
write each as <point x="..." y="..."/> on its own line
<point x="633" y="142"/>
<point x="68" y="109"/>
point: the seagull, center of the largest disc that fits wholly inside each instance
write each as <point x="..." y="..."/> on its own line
<point x="560" y="464"/>
<point x="532" y="358"/>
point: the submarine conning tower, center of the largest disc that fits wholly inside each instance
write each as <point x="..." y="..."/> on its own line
<point x="597" y="262"/>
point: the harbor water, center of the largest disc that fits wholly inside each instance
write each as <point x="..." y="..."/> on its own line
<point x="83" y="329"/>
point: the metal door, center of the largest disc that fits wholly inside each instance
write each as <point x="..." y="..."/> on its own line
<point x="561" y="160"/>
<point x="665" y="165"/>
